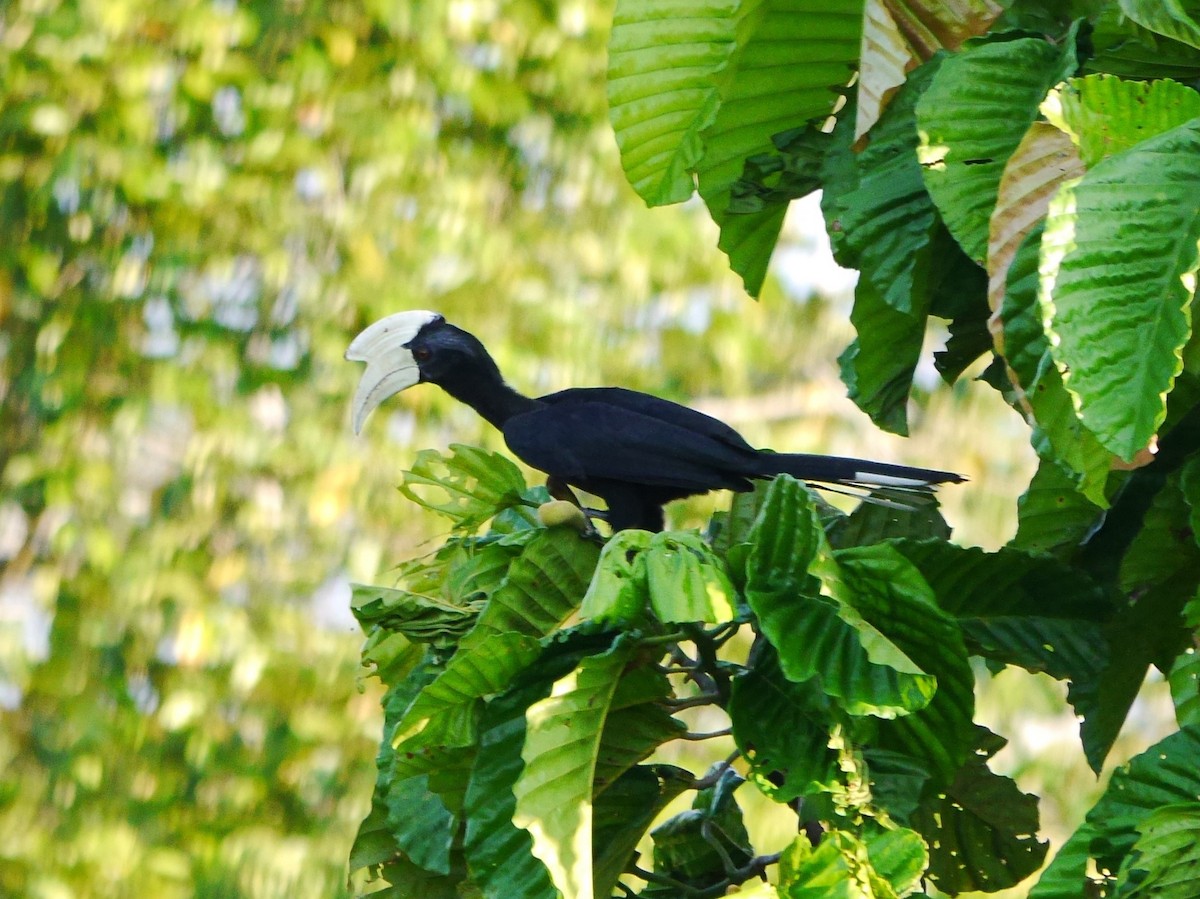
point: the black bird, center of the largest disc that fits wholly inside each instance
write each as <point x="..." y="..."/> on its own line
<point x="635" y="451"/>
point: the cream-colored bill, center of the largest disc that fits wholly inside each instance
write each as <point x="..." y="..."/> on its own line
<point x="390" y="367"/>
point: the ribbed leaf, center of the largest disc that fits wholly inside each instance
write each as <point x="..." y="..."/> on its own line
<point x="1104" y="115"/>
<point x="806" y="617"/>
<point x="1165" y="863"/>
<point x="1123" y="47"/>
<point x="1177" y="19"/>
<point x="870" y="523"/>
<point x="1017" y="608"/>
<point x="1043" y="160"/>
<point x="1184" y="677"/>
<point x="554" y="792"/>
<point x="879" y="865"/>
<point x="475" y="484"/>
<point x="900" y="34"/>
<point x="876" y="207"/>
<point x="877" y="368"/>
<point x="444" y="714"/>
<point x="637" y="724"/>
<point x="696" y="845"/>
<point x="972" y="118"/>
<point x="1163" y="775"/>
<point x="780" y="729"/>
<point x="792" y="58"/>
<point x="423" y="826"/>
<point x="624" y="812"/>
<point x="662" y="59"/>
<point x="982" y="832"/>
<point x="499" y="854"/>
<point x="1059" y="435"/>
<point x="1118" y="260"/>
<point x="1052" y="516"/>
<point x="544" y="586"/>
<point x="687" y="581"/>
<point x="891" y="595"/>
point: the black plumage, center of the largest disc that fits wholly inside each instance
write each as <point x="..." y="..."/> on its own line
<point x="635" y="451"/>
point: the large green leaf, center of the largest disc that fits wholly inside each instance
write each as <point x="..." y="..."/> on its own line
<point x="1165" y="862"/>
<point x="971" y="119"/>
<point x="554" y="791"/>
<point x="879" y="864"/>
<point x="891" y="594"/>
<point x="1184" y="676"/>
<point x="1116" y="296"/>
<point x="876" y="208"/>
<point x="877" y="368"/>
<point x="982" y="832"/>
<point x="662" y="59"/>
<point x="622" y="815"/>
<point x="686" y="580"/>
<point x="1163" y="775"/>
<point x="473" y="484"/>
<point x="696" y="845"/>
<point x="782" y="729"/>
<point x="638" y="722"/>
<point x="792" y="58"/>
<point x="1105" y="115"/>
<point x="500" y="854"/>
<point x="1059" y="435"/>
<point x="1052" y="516"/>
<point x="807" y="618"/>
<point x="1177" y="19"/>
<point x="1018" y="608"/>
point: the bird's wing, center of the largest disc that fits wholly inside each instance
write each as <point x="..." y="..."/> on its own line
<point x="653" y="406"/>
<point x="589" y="441"/>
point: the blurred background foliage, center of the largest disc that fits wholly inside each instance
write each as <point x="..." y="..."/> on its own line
<point x="201" y="201"/>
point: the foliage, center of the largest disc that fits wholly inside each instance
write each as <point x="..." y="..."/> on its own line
<point x="1026" y="172"/>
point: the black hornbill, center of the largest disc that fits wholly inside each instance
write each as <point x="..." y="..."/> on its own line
<point x="633" y="450"/>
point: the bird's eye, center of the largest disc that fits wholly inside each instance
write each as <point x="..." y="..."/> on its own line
<point x="422" y="354"/>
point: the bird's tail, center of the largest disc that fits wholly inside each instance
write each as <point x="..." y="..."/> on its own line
<point x="862" y="473"/>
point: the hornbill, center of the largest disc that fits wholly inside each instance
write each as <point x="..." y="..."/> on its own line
<point x="635" y="451"/>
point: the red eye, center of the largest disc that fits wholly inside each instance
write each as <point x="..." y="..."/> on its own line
<point x="422" y="354"/>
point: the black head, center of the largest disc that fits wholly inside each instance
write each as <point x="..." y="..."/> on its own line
<point x="450" y="357"/>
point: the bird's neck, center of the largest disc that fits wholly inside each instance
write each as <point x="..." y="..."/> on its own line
<point x="486" y="392"/>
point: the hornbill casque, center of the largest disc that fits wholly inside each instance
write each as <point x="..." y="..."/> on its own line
<point x="634" y="451"/>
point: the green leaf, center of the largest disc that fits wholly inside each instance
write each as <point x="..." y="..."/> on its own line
<point x="882" y="864"/>
<point x="1177" y="19"/>
<point x="876" y="207"/>
<point x="1164" y="775"/>
<point x="971" y="119"/>
<point x="663" y="57"/>
<point x="791" y="170"/>
<point x="1105" y="115"/>
<point x="554" y="792"/>
<point x="638" y="723"/>
<point x="1017" y="608"/>
<point x="420" y="617"/>
<point x="687" y="581"/>
<point x="544" y="586"/>
<point x="622" y="814"/>
<point x="877" y="368"/>
<point x="891" y="595"/>
<point x="1184" y="676"/>
<point x="424" y="828"/>
<point x="444" y="714"/>
<point x="1123" y="47"/>
<point x="807" y="618"/>
<point x="1126" y="288"/>
<point x="500" y="854"/>
<point x="782" y="729"/>
<point x="618" y="592"/>
<point x="694" y="846"/>
<point x="1059" y="435"/>
<point x="1165" y="862"/>
<point x="475" y="483"/>
<point x="873" y="523"/>
<point x="790" y="62"/>
<point x="1052" y="516"/>
<point x="982" y="832"/>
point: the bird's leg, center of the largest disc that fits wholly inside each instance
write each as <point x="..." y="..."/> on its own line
<point x="560" y="489"/>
